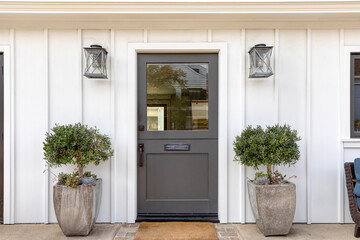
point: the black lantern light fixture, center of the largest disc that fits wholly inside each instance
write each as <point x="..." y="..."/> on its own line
<point x="260" y="56"/>
<point x="95" y="65"/>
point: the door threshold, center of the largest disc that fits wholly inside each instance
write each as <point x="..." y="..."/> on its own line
<point x="178" y="218"/>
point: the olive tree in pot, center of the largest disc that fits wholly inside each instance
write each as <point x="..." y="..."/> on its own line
<point x="76" y="195"/>
<point x="272" y="196"/>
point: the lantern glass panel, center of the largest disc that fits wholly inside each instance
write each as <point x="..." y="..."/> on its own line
<point x="260" y="62"/>
<point x="95" y="66"/>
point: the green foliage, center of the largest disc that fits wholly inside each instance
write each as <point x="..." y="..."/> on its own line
<point x="163" y="77"/>
<point x="76" y="144"/>
<point x="259" y="174"/>
<point x="276" y="145"/>
<point x="274" y="177"/>
<point x="62" y="178"/>
<point x="69" y="179"/>
<point x="88" y="174"/>
<point x="72" y="179"/>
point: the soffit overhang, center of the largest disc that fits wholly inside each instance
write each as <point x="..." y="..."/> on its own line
<point x="180" y="10"/>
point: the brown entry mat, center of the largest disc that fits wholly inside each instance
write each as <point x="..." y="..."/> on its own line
<point x="176" y="231"/>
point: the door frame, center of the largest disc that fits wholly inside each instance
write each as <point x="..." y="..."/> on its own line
<point x="203" y="47"/>
<point x="8" y="140"/>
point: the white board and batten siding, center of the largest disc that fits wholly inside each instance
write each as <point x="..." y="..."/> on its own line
<point x="304" y="92"/>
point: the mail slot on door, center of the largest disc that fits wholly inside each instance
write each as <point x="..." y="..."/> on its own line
<point x="177" y="147"/>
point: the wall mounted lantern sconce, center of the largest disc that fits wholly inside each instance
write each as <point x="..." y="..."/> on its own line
<point x="95" y="65"/>
<point x="260" y="56"/>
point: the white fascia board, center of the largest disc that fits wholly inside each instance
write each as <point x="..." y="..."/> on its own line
<point x="179" y="7"/>
<point x="181" y="1"/>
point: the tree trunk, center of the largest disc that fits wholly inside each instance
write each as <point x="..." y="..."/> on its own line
<point x="268" y="168"/>
<point x="81" y="171"/>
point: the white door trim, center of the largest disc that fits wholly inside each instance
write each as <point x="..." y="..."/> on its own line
<point x="133" y="50"/>
<point x="8" y="147"/>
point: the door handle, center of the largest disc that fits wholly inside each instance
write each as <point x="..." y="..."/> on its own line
<point x="140" y="154"/>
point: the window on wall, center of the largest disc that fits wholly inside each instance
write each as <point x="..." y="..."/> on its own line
<point x="355" y="95"/>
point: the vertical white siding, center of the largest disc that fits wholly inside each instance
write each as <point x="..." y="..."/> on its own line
<point x="122" y="38"/>
<point x="30" y="125"/>
<point x="291" y="74"/>
<point x="4" y="36"/>
<point x="233" y="38"/>
<point x="177" y="35"/>
<point x="352" y="37"/>
<point x="72" y="98"/>
<point x="97" y="112"/>
<point x="324" y="122"/>
<point x="259" y="92"/>
<point x="64" y="84"/>
<point x="64" y="88"/>
<point x="259" y="102"/>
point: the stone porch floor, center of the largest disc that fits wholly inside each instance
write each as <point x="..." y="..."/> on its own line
<point x="225" y="232"/>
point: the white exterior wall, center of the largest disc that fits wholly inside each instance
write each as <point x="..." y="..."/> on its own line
<point x="305" y="92"/>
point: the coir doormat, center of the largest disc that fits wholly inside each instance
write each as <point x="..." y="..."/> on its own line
<point x="176" y="231"/>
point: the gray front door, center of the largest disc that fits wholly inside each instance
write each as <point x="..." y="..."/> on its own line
<point x="177" y="136"/>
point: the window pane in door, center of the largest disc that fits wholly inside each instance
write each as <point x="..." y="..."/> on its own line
<point x="357" y="68"/>
<point x="357" y="108"/>
<point x="356" y="89"/>
<point x="177" y="96"/>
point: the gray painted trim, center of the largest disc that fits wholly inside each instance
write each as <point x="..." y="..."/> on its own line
<point x="155" y="141"/>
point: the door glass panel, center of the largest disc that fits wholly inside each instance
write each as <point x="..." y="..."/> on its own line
<point x="357" y="95"/>
<point x="177" y="96"/>
<point x="357" y="68"/>
<point x="357" y="108"/>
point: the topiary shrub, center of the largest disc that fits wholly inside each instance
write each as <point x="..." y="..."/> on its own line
<point x="75" y="144"/>
<point x="273" y="146"/>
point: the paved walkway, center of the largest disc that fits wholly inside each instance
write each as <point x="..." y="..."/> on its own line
<point x="53" y="232"/>
<point x="225" y="232"/>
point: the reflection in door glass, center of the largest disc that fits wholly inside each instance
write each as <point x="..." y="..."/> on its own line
<point x="357" y="95"/>
<point x="177" y="96"/>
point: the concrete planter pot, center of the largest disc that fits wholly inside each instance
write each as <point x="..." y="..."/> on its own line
<point x="273" y="207"/>
<point x="76" y="209"/>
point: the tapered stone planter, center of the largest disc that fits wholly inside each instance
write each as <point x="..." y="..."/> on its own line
<point x="76" y="209"/>
<point x="273" y="207"/>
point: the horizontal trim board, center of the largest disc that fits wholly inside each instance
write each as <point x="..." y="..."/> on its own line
<point x="173" y="24"/>
<point x="158" y="7"/>
<point x="183" y="17"/>
<point x="181" y="1"/>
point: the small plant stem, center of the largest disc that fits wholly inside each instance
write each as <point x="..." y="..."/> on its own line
<point x="268" y="168"/>
<point x="80" y="171"/>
